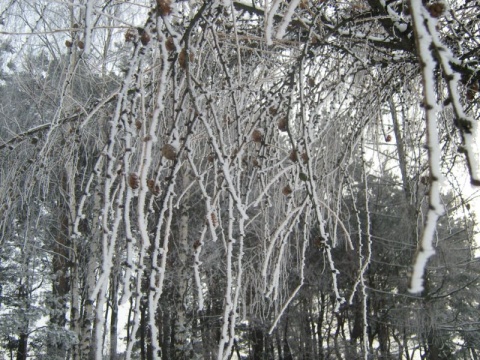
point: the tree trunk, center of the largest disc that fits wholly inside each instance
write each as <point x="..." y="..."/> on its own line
<point x="22" y="347"/>
<point x="409" y="195"/>
<point x="321" y="353"/>
<point x="75" y="301"/>
<point x="114" y="316"/>
<point x="60" y="267"/>
<point x="257" y="340"/>
<point x="182" y="332"/>
<point x="87" y="344"/>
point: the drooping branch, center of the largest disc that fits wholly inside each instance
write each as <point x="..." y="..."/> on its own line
<point x="424" y="39"/>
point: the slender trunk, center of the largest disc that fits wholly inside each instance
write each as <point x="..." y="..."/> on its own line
<point x="22" y="347"/>
<point x="311" y="325"/>
<point x="257" y="340"/>
<point x="24" y="301"/>
<point x="129" y="320"/>
<point x="114" y="316"/>
<point x="143" y="332"/>
<point x="474" y="353"/>
<point x="321" y="354"/>
<point x="405" y="345"/>
<point x="206" y="335"/>
<point x="399" y="344"/>
<point x="409" y="194"/>
<point x="60" y="271"/>
<point x="287" y="353"/>
<point x="57" y="348"/>
<point x="383" y="340"/>
<point x="307" y="338"/>
<point x="182" y="332"/>
<point x="433" y="346"/>
<point x="401" y="153"/>
<point x="75" y="301"/>
<point x="166" y="331"/>
<point x="86" y="342"/>
<point x="278" y="342"/>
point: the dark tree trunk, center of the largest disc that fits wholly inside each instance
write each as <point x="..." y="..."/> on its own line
<point x="22" y="347"/>
<point x="57" y="348"/>
<point x="257" y="340"/>
<point x="143" y="331"/>
<point x="321" y="354"/>
<point x="114" y="318"/>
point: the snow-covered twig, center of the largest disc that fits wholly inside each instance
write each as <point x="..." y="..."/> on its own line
<point x="424" y="39"/>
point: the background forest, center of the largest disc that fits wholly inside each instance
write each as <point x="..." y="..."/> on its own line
<point x="255" y="179"/>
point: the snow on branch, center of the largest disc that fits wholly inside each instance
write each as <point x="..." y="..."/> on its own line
<point x="424" y="39"/>
<point x="88" y="26"/>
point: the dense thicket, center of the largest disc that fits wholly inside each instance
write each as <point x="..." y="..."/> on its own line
<point x="239" y="179"/>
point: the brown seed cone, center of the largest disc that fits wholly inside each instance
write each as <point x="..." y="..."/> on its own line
<point x="425" y="180"/>
<point x="257" y="135"/>
<point x="169" y="152"/>
<point x="81" y="44"/>
<point x="303" y="4"/>
<point x="153" y="187"/>
<point x="211" y="157"/>
<point x="68" y="43"/>
<point x="287" y="190"/>
<point x="214" y="219"/>
<point x="436" y="9"/>
<point x="150" y="183"/>
<point x="133" y="181"/>
<point x="138" y="124"/>
<point x="293" y="155"/>
<point x="130" y="35"/>
<point x="283" y="124"/>
<point x="182" y="58"/>
<point x="304" y="157"/>
<point x="169" y="44"/>
<point x="272" y="110"/>
<point x="145" y="38"/>
<point x="470" y="95"/>
<point x="319" y="242"/>
<point x="472" y="91"/>
<point x="164" y="7"/>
